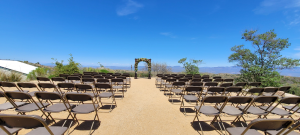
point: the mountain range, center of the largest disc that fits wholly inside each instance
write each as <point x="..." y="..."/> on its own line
<point x="229" y="69"/>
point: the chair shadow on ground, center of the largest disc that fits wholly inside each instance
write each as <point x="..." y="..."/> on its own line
<point x="240" y="124"/>
<point x="157" y="86"/>
<point x="167" y="94"/>
<point x="83" y="125"/>
<point x="86" y="125"/>
<point x="190" y="111"/>
<point x="207" y="127"/>
<point x="107" y="108"/>
<point x="119" y="97"/>
<point x="174" y="101"/>
<point x="67" y="124"/>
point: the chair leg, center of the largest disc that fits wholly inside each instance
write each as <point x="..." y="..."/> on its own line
<point x="92" y="125"/>
<point x="69" y="127"/>
<point x="222" y="125"/>
<point x="182" y="106"/>
<point x="199" y="124"/>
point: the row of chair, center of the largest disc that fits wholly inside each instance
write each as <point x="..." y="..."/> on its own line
<point x="236" y="105"/>
<point x="166" y="79"/>
<point x="94" y="74"/>
<point x="188" y="77"/>
<point x="117" y="84"/>
<point x="76" y="79"/>
<point x="196" y="75"/>
<point x="58" y="101"/>
<point x="207" y="83"/>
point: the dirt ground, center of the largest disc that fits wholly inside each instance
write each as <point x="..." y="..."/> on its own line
<point x="143" y="110"/>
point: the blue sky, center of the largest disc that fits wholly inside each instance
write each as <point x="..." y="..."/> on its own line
<point x="114" y="32"/>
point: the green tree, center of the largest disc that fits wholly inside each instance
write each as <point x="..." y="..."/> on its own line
<point x="191" y="67"/>
<point x="71" y="68"/>
<point x="38" y="72"/>
<point x="261" y="64"/>
<point x="101" y="66"/>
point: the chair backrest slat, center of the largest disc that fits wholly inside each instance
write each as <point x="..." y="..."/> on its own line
<point x="78" y="97"/>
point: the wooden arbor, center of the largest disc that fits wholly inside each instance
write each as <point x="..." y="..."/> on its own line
<point x="137" y="61"/>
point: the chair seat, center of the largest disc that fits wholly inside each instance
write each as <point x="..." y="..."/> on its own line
<point x="254" y="110"/>
<point x="268" y="94"/>
<point x="33" y="93"/>
<point x="117" y="87"/>
<point x="56" y="130"/>
<point x="91" y="94"/>
<point x="105" y="95"/>
<point x="169" y="86"/>
<point x="231" y="110"/>
<point x="26" y="91"/>
<point x="176" y="90"/>
<point x="76" y="82"/>
<point x="120" y="83"/>
<point x="59" y="107"/>
<point x="88" y="83"/>
<point x="102" y="83"/>
<point x="208" y="110"/>
<point x="240" y="130"/>
<point x="195" y="92"/>
<point x="275" y="132"/>
<point x="84" y="108"/>
<point x="290" y="107"/>
<point x="246" y="90"/>
<point x="190" y="97"/>
<point x="278" y="111"/>
<point x="226" y="92"/>
<point x="11" y="130"/>
<point x="8" y="105"/>
<point x="30" y="107"/>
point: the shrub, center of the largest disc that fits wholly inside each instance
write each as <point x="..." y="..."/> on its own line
<point x="262" y="63"/>
<point x="190" y="67"/>
<point x="104" y="71"/>
<point x="44" y="72"/>
<point x="160" y="68"/>
<point x="10" y="77"/>
<point x="50" y="76"/>
<point x="294" y="82"/>
<point x="71" y="68"/>
<point x="295" y="89"/>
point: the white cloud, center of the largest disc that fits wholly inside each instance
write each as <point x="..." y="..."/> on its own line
<point x="289" y="8"/>
<point x="168" y="34"/>
<point x="295" y="21"/>
<point x="129" y="7"/>
<point x="270" y="6"/>
<point x="297" y="54"/>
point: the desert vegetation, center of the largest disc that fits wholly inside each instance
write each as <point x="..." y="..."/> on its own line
<point x="10" y="76"/>
<point x="191" y="66"/>
<point x="261" y="64"/>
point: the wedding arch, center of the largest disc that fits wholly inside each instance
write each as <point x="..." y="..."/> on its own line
<point x="137" y="61"/>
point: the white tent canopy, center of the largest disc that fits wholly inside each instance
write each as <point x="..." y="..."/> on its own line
<point x="17" y="66"/>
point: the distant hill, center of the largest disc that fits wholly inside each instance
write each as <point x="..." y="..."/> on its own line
<point x="216" y="70"/>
